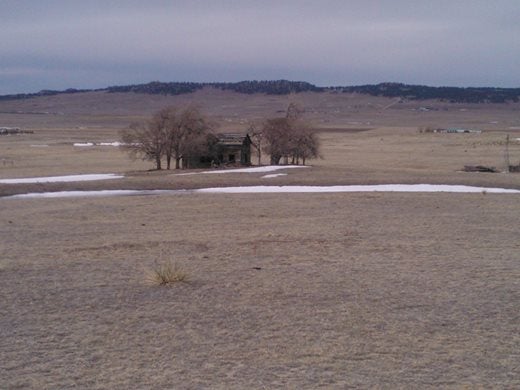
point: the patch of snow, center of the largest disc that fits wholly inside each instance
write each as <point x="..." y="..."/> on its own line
<point x="115" y="143"/>
<point x="86" y="144"/>
<point x="272" y="175"/>
<point x="60" y="179"/>
<point x="39" y="146"/>
<point x="267" y="168"/>
<point x="517" y="139"/>
<point x="356" y="188"/>
<point x="277" y="189"/>
<point x="83" y="144"/>
<point x="187" y="174"/>
<point x="90" y="194"/>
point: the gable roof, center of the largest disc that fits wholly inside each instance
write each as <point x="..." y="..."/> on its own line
<point x="232" y="138"/>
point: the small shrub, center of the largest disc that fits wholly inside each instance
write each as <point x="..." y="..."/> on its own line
<point x="514" y="168"/>
<point x="166" y="273"/>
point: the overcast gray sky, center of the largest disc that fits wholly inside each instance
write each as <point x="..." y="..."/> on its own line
<point x="55" y="44"/>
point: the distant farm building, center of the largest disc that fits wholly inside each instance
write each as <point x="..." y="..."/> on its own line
<point x="229" y="149"/>
<point x="454" y="130"/>
<point x="14" y="130"/>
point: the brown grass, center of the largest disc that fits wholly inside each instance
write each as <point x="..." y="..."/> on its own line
<point x="380" y="290"/>
<point x="398" y="290"/>
<point x="166" y="274"/>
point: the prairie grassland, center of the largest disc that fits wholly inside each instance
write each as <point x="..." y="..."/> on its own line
<point x="380" y="155"/>
<point x="381" y="290"/>
<point x="299" y="291"/>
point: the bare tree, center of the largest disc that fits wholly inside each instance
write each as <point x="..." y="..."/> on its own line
<point x="294" y="111"/>
<point x="290" y="137"/>
<point x="170" y="133"/>
<point x="163" y="120"/>
<point x="277" y="133"/>
<point x="186" y="134"/>
<point x="145" y="140"/>
<point x="257" y="137"/>
<point x="506" y="155"/>
<point x="307" y="145"/>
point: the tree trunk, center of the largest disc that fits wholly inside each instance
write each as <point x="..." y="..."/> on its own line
<point x="168" y="161"/>
<point x="158" y="162"/>
<point x="177" y="163"/>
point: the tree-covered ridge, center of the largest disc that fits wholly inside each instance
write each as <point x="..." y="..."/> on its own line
<point x="44" y="92"/>
<point x="269" y="87"/>
<point x="274" y="87"/>
<point x="158" y="88"/>
<point x="450" y="94"/>
<point x="284" y="87"/>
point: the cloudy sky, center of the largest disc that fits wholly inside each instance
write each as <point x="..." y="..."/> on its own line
<point x="58" y="44"/>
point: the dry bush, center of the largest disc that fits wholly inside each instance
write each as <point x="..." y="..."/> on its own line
<point x="166" y="273"/>
<point x="427" y="129"/>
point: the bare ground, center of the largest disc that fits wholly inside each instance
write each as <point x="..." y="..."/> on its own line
<point x="382" y="290"/>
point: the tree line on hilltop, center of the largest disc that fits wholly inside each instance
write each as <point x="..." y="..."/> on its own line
<point x="285" y="87"/>
<point x="449" y="94"/>
<point x="275" y="87"/>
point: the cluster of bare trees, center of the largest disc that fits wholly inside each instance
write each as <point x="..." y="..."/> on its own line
<point x="171" y="133"/>
<point x="288" y="138"/>
<point x="177" y="134"/>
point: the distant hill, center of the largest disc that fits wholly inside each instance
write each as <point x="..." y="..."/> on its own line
<point x="275" y="87"/>
<point x="450" y="94"/>
<point x="284" y="87"/>
<point x="44" y="92"/>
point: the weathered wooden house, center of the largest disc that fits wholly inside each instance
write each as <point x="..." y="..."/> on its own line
<point x="227" y="149"/>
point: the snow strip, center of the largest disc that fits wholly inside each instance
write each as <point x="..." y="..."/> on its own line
<point x="355" y="188"/>
<point x="61" y="179"/>
<point x="272" y="175"/>
<point x="92" y="194"/>
<point x="267" y="168"/>
<point x="115" y="143"/>
<point x="83" y="144"/>
<point x="419" y="188"/>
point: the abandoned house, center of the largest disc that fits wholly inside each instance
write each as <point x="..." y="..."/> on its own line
<point x="228" y="149"/>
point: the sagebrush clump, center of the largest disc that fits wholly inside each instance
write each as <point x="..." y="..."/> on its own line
<point x="166" y="273"/>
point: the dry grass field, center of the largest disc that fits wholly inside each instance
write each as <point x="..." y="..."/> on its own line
<point x="360" y="290"/>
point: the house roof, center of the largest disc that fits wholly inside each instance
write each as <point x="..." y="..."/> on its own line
<point x="232" y="138"/>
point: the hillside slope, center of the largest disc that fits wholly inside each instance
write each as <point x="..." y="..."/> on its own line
<point x="235" y="111"/>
